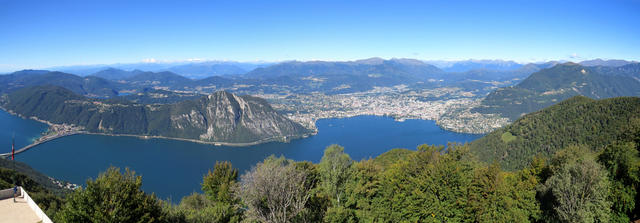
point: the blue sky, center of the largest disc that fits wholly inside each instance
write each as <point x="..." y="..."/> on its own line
<point x="36" y="34"/>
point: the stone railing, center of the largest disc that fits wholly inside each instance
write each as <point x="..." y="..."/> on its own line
<point x="7" y="193"/>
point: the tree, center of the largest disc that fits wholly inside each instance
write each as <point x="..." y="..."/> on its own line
<point x="428" y="186"/>
<point x="274" y="190"/>
<point x="496" y="196"/>
<point x="112" y="197"/>
<point x="316" y="206"/>
<point x="363" y="190"/>
<point x="199" y="208"/>
<point x="335" y="169"/>
<point x="218" y="204"/>
<point x="577" y="189"/>
<point x="218" y="184"/>
<point x="623" y="164"/>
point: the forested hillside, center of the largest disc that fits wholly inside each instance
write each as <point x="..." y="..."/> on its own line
<point x="576" y="121"/>
<point x="550" y="86"/>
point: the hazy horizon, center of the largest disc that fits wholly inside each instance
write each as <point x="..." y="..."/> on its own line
<point x="50" y="34"/>
<point x="434" y="62"/>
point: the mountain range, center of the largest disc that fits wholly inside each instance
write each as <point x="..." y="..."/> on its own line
<point x="407" y="68"/>
<point x="305" y="77"/>
<point x="296" y="77"/>
<point x="198" y="69"/>
<point x="193" y="69"/>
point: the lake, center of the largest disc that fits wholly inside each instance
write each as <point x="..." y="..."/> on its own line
<point x="173" y="169"/>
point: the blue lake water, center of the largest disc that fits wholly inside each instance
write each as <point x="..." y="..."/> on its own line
<point x="173" y="169"/>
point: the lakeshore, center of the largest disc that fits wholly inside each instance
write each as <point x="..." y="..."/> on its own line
<point x="61" y="130"/>
<point x="283" y="139"/>
<point x="174" y="168"/>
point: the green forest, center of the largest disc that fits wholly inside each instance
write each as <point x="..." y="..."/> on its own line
<point x="586" y="172"/>
<point x="575" y="121"/>
<point x="427" y="185"/>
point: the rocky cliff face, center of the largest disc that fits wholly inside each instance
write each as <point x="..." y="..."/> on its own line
<point x="219" y="117"/>
<point x="225" y="117"/>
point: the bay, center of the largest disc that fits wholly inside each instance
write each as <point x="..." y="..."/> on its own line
<point x="172" y="169"/>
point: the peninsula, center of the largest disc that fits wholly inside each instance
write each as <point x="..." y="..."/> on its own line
<point x="220" y="118"/>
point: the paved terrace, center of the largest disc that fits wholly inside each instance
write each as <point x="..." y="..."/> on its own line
<point x="20" y="210"/>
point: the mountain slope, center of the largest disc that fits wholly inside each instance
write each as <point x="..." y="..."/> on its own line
<point x="156" y="96"/>
<point x="219" y="117"/>
<point x="549" y="86"/>
<point x="576" y="121"/>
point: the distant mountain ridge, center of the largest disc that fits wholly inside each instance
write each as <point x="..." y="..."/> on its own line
<point x="605" y="63"/>
<point x="329" y="77"/>
<point x="214" y="68"/>
<point x="552" y="85"/>
<point x="348" y="76"/>
<point x="468" y="65"/>
<point x="372" y="66"/>
<point x="189" y="69"/>
<point x="316" y="76"/>
<point x="89" y="86"/>
<point x="221" y="117"/>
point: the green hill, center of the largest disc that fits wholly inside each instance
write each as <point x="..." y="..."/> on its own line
<point x="89" y="86"/>
<point x="576" y="121"/>
<point x="563" y="81"/>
